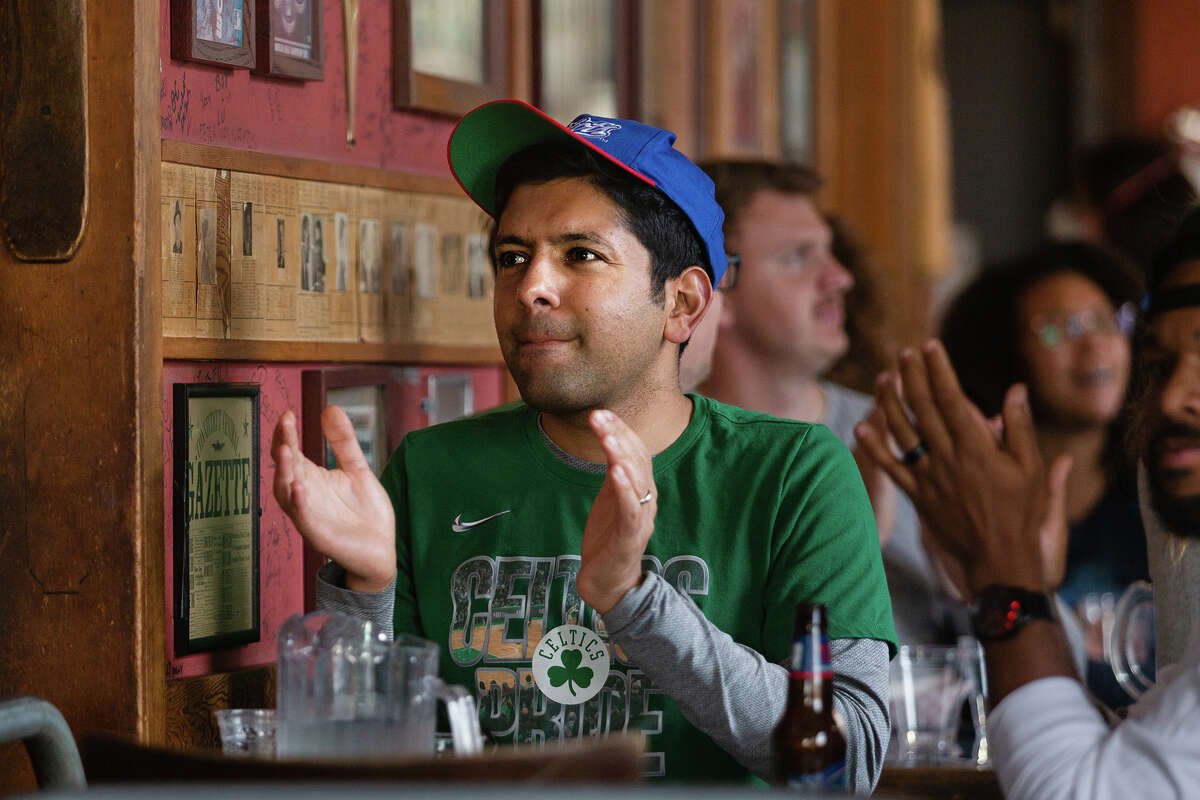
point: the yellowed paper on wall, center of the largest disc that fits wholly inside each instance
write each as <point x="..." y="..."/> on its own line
<point x="370" y="206"/>
<point x="343" y="294"/>
<point x="398" y="277"/>
<point x="280" y="271"/>
<point x="246" y="213"/>
<point x="178" y="249"/>
<point x="316" y="221"/>
<point x="212" y="253"/>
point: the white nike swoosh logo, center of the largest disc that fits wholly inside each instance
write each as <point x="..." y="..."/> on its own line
<point x="458" y="526"/>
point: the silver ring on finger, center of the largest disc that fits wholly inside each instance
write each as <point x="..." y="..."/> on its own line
<point x="915" y="453"/>
<point x="646" y="498"/>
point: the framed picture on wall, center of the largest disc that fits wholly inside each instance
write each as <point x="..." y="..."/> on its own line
<point x="449" y="56"/>
<point x="218" y="32"/>
<point x="216" y="515"/>
<point x="290" y="40"/>
<point x="797" y="73"/>
<point x="368" y="396"/>
<point x="585" y="58"/>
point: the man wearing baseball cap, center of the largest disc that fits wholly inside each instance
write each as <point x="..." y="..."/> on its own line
<point x="608" y="506"/>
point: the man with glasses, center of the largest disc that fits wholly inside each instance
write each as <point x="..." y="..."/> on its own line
<point x="781" y="328"/>
<point x="608" y="504"/>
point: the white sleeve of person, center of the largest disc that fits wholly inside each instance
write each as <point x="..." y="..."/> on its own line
<point x="1049" y="741"/>
<point x="737" y="696"/>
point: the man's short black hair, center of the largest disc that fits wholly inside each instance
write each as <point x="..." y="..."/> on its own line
<point x="660" y="225"/>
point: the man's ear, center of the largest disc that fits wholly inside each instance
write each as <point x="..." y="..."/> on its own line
<point x="686" y="298"/>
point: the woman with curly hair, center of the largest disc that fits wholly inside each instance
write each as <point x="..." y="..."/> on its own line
<point x="1059" y="321"/>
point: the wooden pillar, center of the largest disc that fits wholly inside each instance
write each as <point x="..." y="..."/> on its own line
<point x="670" y="57"/>
<point x="81" y="548"/>
<point x="883" y="143"/>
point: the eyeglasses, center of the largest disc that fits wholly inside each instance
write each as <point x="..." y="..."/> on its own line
<point x="730" y="278"/>
<point x="1053" y="331"/>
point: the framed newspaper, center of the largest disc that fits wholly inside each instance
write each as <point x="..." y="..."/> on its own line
<point x="216" y="515"/>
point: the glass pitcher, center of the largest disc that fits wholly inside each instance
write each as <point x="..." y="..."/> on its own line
<point x="344" y="691"/>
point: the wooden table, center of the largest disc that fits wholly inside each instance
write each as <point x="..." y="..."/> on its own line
<point x="610" y="761"/>
<point x="949" y="782"/>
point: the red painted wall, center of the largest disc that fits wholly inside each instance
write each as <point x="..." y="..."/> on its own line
<point x="281" y="550"/>
<point x="235" y="108"/>
<point x="281" y="582"/>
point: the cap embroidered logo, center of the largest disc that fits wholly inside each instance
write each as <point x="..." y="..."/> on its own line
<point x="586" y="126"/>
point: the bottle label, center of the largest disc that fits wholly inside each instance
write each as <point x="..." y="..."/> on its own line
<point x="832" y="778"/>
<point x="810" y="657"/>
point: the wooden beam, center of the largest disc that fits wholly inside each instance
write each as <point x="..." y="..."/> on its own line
<point x="318" y="352"/>
<point x="203" y="155"/>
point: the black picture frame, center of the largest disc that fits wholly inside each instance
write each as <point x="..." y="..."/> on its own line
<point x="210" y="535"/>
<point x="190" y="42"/>
<point x="279" y="58"/>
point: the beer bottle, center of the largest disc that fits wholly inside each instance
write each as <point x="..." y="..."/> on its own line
<point x="810" y="751"/>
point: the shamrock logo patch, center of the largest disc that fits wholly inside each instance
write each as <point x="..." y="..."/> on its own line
<point x="570" y="672"/>
<point x="570" y="664"/>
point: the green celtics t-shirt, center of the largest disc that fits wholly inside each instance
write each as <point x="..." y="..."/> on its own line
<point x="755" y="515"/>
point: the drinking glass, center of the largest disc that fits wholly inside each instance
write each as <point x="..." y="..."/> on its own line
<point x="247" y="731"/>
<point x="928" y="687"/>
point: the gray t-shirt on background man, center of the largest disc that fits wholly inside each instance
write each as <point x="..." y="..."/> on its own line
<point x="922" y="612"/>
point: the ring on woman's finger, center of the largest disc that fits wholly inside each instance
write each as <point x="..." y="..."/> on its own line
<point x="915" y="453"/>
<point x="646" y="498"/>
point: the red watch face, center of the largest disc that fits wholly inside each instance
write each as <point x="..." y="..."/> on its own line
<point x="1001" y="620"/>
<point x="1001" y="611"/>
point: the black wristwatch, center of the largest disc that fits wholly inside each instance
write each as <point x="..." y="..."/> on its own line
<point x="999" y="612"/>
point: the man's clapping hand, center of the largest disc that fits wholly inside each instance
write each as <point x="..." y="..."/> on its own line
<point x="343" y="513"/>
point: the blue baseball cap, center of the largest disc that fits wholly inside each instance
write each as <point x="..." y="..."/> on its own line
<point x="494" y="132"/>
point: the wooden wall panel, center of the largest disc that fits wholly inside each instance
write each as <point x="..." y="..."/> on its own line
<point x="671" y="49"/>
<point x="883" y="145"/>
<point x="80" y="535"/>
<point x="191" y="701"/>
